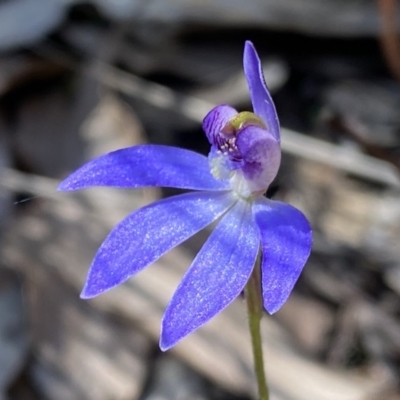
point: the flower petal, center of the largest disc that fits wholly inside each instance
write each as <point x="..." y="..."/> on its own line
<point x="146" y="165"/>
<point x="216" y="277"/>
<point x="150" y="232"/>
<point x="261" y="155"/>
<point x="215" y="121"/>
<point x="263" y="104"/>
<point x="286" y="240"/>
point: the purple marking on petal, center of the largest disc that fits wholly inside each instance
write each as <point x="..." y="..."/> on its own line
<point x="147" y="234"/>
<point x="286" y="240"/>
<point x="263" y="104"/>
<point x="261" y="154"/>
<point x="215" y="120"/>
<point x="216" y="277"/>
<point x="146" y="165"/>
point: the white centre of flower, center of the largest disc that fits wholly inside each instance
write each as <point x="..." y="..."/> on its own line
<point x="219" y="167"/>
<point x="240" y="185"/>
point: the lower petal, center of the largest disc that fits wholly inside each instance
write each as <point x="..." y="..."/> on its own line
<point x="286" y="240"/>
<point x="147" y="234"/>
<point x="216" y="277"/>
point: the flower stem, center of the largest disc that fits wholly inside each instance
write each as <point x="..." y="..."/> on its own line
<point x="255" y="311"/>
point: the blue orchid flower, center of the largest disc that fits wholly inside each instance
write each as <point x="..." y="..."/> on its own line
<point x="244" y="159"/>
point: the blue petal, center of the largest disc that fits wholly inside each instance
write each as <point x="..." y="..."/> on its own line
<point x="146" y="165"/>
<point x="150" y="232"/>
<point x="286" y="240"/>
<point x="263" y="104"/>
<point x="216" y="277"/>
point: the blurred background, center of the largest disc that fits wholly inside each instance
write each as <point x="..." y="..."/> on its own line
<point x="81" y="78"/>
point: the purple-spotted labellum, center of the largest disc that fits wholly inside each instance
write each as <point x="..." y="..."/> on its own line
<point x="244" y="159"/>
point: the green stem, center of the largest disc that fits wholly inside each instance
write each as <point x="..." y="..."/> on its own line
<point x="255" y="311"/>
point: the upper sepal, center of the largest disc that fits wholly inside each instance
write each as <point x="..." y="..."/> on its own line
<point x="261" y="99"/>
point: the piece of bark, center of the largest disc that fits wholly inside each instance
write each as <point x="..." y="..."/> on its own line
<point x="81" y="352"/>
<point x="13" y="329"/>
